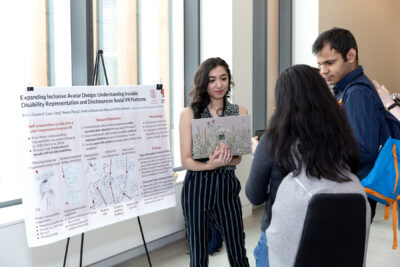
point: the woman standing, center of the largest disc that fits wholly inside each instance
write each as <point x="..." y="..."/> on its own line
<point x="211" y="189"/>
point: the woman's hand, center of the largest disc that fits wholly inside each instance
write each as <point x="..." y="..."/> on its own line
<point x="254" y="142"/>
<point x="221" y="157"/>
<point x="387" y="100"/>
<point x="384" y="94"/>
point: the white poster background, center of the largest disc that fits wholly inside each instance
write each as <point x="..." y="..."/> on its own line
<point x="95" y="155"/>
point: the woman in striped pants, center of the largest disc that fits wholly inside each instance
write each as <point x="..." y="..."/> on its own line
<point x="211" y="190"/>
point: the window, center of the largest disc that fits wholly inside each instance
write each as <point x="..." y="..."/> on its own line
<point x="59" y="43"/>
<point x="142" y="42"/>
<point x="12" y="25"/>
<point x="216" y="30"/>
<point x="25" y="62"/>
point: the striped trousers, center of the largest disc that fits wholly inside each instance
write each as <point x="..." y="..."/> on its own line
<point x="213" y="195"/>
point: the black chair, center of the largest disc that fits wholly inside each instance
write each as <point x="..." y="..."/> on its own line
<point x="334" y="232"/>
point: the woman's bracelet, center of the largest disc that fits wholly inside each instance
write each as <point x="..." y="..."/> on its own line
<point x="392" y="106"/>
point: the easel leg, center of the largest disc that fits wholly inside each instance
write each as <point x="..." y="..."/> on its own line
<point x="104" y="67"/>
<point x="80" y="259"/>
<point x="144" y="241"/>
<point x="99" y="56"/>
<point x="96" y="67"/>
<point x="66" y="252"/>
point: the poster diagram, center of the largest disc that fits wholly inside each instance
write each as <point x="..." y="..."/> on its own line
<point x="112" y="181"/>
<point x="72" y="184"/>
<point x="46" y="190"/>
<point x="96" y="156"/>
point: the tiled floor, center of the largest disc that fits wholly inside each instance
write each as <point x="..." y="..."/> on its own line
<point x="380" y="253"/>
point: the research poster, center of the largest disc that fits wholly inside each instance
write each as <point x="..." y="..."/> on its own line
<point x="94" y="155"/>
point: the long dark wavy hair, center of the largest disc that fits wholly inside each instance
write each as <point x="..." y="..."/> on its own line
<point x="309" y="129"/>
<point x="199" y="95"/>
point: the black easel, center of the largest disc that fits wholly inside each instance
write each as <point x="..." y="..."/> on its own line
<point x="99" y="56"/>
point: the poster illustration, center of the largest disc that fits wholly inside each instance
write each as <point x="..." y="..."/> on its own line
<point x="208" y="133"/>
<point x="95" y="156"/>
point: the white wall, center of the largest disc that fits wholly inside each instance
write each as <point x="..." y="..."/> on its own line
<point x="242" y="68"/>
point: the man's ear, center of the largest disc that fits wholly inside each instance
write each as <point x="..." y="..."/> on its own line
<point x="351" y="55"/>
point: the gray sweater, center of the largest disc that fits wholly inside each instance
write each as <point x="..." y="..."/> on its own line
<point x="289" y="212"/>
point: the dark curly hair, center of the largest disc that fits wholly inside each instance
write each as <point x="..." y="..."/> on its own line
<point x="199" y="95"/>
<point x="309" y="129"/>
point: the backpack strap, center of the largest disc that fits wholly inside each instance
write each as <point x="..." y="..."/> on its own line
<point x="363" y="83"/>
<point x="396" y="167"/>
<point x="367" y="85"/>
<point x="358" y="82"/>
<point x="394" y="219"/>
<point x="394" y="222"/>
<point x="387" y="118"/>
<point x="387" y="210"/>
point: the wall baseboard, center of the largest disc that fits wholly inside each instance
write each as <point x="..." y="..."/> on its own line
<point x="134" y="252"/>
<point x="247" y="211"/>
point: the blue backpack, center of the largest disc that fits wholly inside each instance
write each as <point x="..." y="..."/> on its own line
<point x="382" y="183"/>
<point x="214" y="239"/>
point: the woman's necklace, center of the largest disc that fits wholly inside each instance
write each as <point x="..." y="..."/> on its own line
<point x="215" y="112"/>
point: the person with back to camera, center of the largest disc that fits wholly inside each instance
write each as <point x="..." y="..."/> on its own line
<point x="211" y="189"/>
<point x="261" y="187"/>
<point x="310" y="138"/>
<point x="337" y="55"/>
